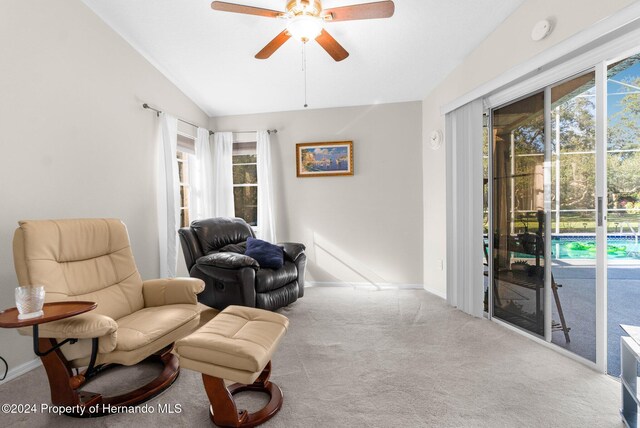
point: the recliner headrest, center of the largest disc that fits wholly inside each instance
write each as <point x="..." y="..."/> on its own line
<point x="215" y="233"/>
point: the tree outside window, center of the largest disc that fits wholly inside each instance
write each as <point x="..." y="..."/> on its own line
<point x="245" y="182"/>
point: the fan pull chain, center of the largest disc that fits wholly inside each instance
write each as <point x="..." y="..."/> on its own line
<point x="304" y="70"/>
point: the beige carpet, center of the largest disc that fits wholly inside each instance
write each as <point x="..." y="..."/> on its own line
<point x="393" y="358"/>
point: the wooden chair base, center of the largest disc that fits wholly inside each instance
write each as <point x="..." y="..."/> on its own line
<point x="84" y="404"/>
<point x="223" y="410"/>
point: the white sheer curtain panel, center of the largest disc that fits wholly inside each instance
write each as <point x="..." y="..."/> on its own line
<point x="201" y="178"/>
<point x="266" y="218"/>
<point x="465" y="279"/>
<point x="222" y="205"/>
<point x="167" y="187"/>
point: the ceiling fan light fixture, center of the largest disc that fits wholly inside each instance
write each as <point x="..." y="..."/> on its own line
<point x="306" y="21"/>
<point x="306" y="7"/>
<point x="305" y="27"/>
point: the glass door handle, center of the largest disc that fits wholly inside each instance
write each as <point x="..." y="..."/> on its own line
<point x="600" y="212"/>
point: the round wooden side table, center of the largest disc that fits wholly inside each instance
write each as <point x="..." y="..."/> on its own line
<point x="53" y="311"/>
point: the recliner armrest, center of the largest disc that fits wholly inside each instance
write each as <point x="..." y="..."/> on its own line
<point x="292" y="250"/>
<point x="227" y="260"/>
<point x="190" y="246"/>
<point x="171" y="291"/>
<point x="83" y="326"/>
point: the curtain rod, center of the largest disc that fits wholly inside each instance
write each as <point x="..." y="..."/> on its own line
<point x="147" y="106"/>
<point x="270" y="131"/>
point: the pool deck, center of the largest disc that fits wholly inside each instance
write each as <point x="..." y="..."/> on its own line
<point x="577" y="296"/>
<point x="618" y="263"/>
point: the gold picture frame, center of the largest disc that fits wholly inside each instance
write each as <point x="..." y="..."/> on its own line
<point x="324" y="159"/>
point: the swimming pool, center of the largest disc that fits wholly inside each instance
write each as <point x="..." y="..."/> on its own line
<point x="619" y="247"/>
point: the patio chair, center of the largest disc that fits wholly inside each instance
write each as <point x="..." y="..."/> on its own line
<point x="532" y="244"/>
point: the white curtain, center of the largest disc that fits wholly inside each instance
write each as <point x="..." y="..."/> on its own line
<point x="168" y="195"/>
<point x="465" y="279"/>
<point x="201" y="178"/>
<point x="266" y="217"/>
<point x="222" y="204"/>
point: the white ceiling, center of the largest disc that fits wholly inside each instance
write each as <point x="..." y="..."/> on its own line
<point x="209" y="55"/>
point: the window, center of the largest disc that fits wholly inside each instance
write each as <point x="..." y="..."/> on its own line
<point x="245" y="181"/>
<point x="186" y="147"/>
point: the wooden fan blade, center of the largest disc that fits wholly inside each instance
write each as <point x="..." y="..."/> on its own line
<point x="380" y="9"/>
<point x="248" y="10"/>
<point x="273" y="45"/>
<point x="332" y="47"/>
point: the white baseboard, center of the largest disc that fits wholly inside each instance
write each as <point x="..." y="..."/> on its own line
<point x="435" y="292"/>
<point x="379" y="286"/>
<point x="21" y="369"/>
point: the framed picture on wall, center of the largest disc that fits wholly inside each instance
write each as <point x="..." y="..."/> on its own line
<point x="324" y="159"/>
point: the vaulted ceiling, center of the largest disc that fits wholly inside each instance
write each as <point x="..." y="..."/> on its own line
<point x="209" y="54"/>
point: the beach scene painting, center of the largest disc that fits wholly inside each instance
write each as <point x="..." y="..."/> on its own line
<point x="324" y="159"/>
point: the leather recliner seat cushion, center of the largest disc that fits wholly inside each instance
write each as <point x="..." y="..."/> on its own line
<point x="139" y="338"/>
<point x="149" y="324"/>
<point x="272" y="279"/>
<point x="78" y="353"/>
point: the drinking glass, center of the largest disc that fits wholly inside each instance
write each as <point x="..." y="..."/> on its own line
<point x="29" y="301"/>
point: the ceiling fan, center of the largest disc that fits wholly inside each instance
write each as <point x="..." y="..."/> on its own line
<point x="306" y="21"/>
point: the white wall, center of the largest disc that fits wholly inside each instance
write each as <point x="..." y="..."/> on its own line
<point x="75" y="141"/>
<point x="509" y="45"/>
<point x="366" y="228"/>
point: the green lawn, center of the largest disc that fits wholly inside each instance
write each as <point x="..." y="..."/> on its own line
<point x="582" y="223"/>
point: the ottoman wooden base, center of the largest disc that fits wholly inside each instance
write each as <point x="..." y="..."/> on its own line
<point x="236" y="345"/>
<point x="223" y="410"/>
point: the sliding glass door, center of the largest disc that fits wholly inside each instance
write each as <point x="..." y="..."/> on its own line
<point x="518" y="213"/>
<point x="563" y="244"/>
<point x="544" y="214"/>
<point x="623" y="188"/>
<point x="573" y="214"/>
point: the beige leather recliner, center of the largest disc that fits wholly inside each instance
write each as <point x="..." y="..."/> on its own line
<point x="91" y="260"/>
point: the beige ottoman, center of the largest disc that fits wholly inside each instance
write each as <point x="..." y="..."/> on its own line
<point x="236" y="345"/>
